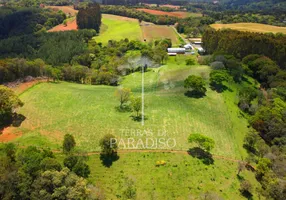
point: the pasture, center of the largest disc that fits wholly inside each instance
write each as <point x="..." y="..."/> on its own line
<point x="183" y="177"/>
<point x="251" y="27"/>
<point x="153" y="32"/>
<point x="89" y="112"/>
<point x="117" y="28"/>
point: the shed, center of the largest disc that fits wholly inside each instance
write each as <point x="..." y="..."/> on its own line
<point x="177" y="50"/>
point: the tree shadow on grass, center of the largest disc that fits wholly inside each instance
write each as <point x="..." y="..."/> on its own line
<point x="239" y="177"/>
<point x="18" y="119"/>
<point x="15" y="120"/>
<point x="124" y="108"/>
<point x="247" y="194"/>
<point x="194" y="94"/>
<point x="220" y="88"/>
<point x="138" y="118"/>
<point x="107" y="160"/>
<point x="201" y="154"/>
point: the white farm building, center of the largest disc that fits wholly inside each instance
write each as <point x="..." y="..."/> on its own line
<point x="175" y="51"/>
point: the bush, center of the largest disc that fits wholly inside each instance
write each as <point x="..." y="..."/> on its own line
<point x="190" y="61"/>
<point x="217" y="65"/>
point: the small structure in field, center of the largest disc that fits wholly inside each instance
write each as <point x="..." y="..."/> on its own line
<point x="175" y="51"/>
<point x="188" y="46"/>
<point x="201" y="50"/>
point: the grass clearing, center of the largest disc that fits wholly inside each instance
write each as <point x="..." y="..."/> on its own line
<point x="117" y="28"/>
<point x="88" y="112"/>
<point x="251" y="27"/>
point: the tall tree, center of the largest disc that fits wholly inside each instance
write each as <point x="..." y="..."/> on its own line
<point x="136" y="104"/>
<point x="108" y="145"/>
<point x="123" y="94"/>
<point x="195" y="84"/>
<point x="69" y="143"/>
<point x="89" y="17"/>
<point x="203" y="142"/>
<point x="9" y="101"/>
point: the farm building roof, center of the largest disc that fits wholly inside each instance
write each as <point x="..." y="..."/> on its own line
<point x="176" y="50"/>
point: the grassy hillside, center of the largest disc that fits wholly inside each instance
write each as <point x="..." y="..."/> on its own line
<point x="251" y="27"/>
<point x="88" y="112"/>
<point x="117" y="28"/>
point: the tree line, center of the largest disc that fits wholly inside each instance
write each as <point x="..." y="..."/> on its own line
<point x="140" y="15"/>
<point x="263" y="106"/>
<point x="96" y="64"/>
<point x="241" y="44"/>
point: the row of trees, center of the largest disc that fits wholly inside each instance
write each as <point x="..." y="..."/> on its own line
<point x="96" y="65"/>
<point x="140" y="15"/>
<point x="241" y="44"/>
<point x="194" y="26"/>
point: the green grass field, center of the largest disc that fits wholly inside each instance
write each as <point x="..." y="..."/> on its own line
<point x="88" y="112"/>
<point x="183" y="177"/>
<point x="251" y="27"/>
<point x="117" y="28"/>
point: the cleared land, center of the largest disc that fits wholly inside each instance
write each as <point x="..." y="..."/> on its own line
<point x="171" y="14"/>
<point x="88" y="112"/>
<point x="71" y="25"/>
<point x="116" y="28"/>
<point x="154" y="32"/>
<point x="251" y="27"/>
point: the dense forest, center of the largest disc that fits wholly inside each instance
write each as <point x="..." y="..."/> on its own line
<point x="73" y="59"/>
<point x="19" y="21"/>
<point x="242" y="44"/>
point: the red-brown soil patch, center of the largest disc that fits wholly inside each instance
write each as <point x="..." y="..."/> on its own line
<point x="24" y="86"/>
<point x="71" y="25"/>
<point x="9" y="134"/>
<point x="159" y="12"/>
